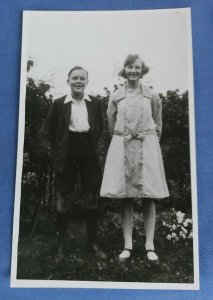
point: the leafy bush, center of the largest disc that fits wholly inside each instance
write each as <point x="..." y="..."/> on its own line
<point x="36" y="257"/>
<point x="176" y="227"/>
<point x="36" y="156"/>
<point x="38" y="188"/>
<point x="175" y="147"/>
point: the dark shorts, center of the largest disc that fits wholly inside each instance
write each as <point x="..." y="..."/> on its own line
<point x="81" y="164"/>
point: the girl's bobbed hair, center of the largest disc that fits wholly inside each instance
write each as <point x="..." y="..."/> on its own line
<point x="128" y="61"/>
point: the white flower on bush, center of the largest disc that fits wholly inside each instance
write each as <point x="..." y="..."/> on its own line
<point x="168" y="237"/>
<point x="182" y="235"/>
<point x="191" y="235"/>
<point x="180" y="217"/>
<point x="184" y="229"/>
<point x="186" y="222"/>
<point x="179" y="228"/>
<point x="189" y="220"/>
<point x="174" y="227"/>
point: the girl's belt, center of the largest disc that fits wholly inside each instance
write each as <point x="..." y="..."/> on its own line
<point x="138" y="135"/>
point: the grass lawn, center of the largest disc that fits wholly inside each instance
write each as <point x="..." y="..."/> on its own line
<point x="37" y="259"/>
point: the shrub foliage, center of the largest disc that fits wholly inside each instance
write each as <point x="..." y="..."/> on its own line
<point x="38" y="191"/>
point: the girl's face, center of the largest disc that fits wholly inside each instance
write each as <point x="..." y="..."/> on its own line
<point x="134" y="70"/>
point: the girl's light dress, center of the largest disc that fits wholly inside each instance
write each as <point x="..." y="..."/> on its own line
<point x="134" y="166"/>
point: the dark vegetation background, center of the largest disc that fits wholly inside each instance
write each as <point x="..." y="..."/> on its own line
<point x="37" y="234"/>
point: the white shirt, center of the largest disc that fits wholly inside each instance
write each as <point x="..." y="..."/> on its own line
<point x="79" y="115"/>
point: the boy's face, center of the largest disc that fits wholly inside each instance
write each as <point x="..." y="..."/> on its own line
<point x="78" y="81"/>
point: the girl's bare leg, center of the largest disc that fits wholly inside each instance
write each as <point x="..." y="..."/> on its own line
<point x="149" y="225"/>
<point x="127" y="225"/>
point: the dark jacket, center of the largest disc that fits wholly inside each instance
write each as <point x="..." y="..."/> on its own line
<point x="58" y="127"/>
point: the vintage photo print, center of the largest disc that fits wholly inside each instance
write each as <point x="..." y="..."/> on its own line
<point x="106" y="170"/>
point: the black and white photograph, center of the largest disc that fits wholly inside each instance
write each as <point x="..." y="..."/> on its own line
<point x="106" y="191"/>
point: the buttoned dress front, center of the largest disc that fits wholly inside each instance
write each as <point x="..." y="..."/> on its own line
<point x="134" y="166"/>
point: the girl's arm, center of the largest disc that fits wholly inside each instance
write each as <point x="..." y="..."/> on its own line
<point x="157" y="113"/>
<point x="111" y="114"/>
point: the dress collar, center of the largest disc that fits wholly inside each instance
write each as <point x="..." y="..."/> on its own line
<point x="69" y="98"/>
<point x="122" y="92"/>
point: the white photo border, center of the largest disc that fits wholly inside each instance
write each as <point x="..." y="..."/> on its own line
<point x="19" y="283"/>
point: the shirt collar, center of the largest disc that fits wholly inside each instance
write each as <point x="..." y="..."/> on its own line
<point x="122" y="92"/>
<point x="69" y="98"/>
